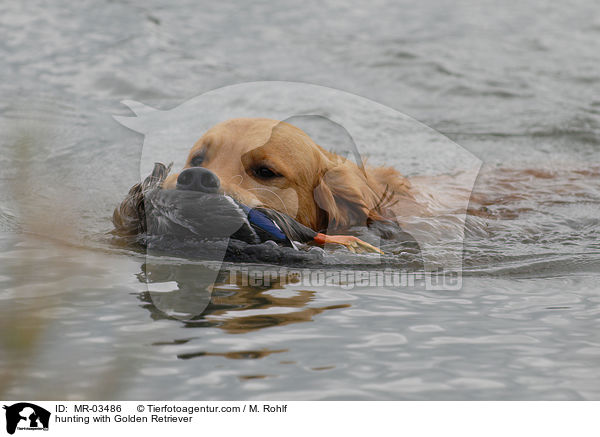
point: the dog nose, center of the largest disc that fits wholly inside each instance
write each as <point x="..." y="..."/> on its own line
<point x="198" y="179"/>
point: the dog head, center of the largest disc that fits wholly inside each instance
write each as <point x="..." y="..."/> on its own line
<point x="272" y="164"/>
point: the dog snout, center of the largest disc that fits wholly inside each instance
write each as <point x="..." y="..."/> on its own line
<point x="198" y="179"/>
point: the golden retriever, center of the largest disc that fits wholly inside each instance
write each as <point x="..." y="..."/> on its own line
<point x="272" y="164"/>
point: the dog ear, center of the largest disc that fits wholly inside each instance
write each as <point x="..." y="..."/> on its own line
<point x="349" y="195"/>
<point x="344" y="196"/>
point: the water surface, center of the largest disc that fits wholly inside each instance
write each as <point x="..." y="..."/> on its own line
<point x="515" y="87"/>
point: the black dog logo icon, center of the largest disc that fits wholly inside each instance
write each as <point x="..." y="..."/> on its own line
<point x="26" y="416"/>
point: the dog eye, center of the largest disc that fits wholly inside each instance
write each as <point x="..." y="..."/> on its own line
<point x="197" y="160"/>
<point x="265" y="173"/>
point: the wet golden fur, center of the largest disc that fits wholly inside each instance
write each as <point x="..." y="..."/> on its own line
<point x="318" y="188"/>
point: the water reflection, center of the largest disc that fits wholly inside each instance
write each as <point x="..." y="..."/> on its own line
<point x="235" y="355"/>
<point x="223" y="299"/>
<point x="180" y="291"/>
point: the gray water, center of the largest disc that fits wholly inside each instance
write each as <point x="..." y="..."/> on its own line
<point x="516" y="84"/>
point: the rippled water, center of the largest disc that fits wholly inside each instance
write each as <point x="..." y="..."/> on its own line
<point x="515" y="85"/>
